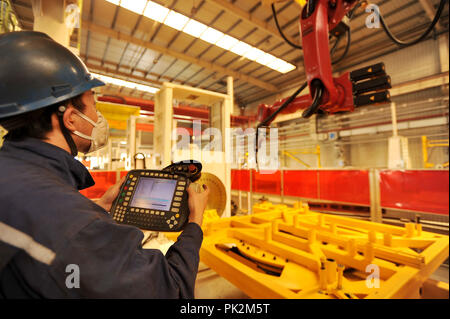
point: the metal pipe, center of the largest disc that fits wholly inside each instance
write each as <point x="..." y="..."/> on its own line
<point x="373" y="121"/>
<point x="382" y="110"/>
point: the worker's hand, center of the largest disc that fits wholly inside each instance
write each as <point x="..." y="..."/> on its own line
<point x="197" y="203"/>
<point x="110" y="195"/>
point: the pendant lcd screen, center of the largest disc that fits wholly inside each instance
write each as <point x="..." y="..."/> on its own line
<point x="154" y="193"/>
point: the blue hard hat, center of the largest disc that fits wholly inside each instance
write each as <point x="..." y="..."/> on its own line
<point x="36" y="71"/>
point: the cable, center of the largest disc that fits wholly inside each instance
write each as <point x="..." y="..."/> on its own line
<point x="283" y="106"/>
<point x="310" y="7"/>
<point x="347" y="48"/>
<point x="352" y="12"/>
<point x="281" y="31"/>
<point x="423" y="36"/>
<point x="274" y="114"/>
<point x="316" y="102"/>
<point x="333" y="49"/>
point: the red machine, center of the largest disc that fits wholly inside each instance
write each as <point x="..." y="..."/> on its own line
<point x="319" y="20"/>
<point x="327" y="93"/>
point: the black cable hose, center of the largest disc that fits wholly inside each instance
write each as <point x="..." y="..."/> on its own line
<point x="352" y="12"/>
<point x="283" y="106"/>
<point x="347" y="48"/>
<point x="274" y="12"/>
<point x="310" y="7"/>
<point x="316" y="102"/>
<point x="423" y="36"/>
<point x="274" y="114"/>
<point x="335" y="45"/>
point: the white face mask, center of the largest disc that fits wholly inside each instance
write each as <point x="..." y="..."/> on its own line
<point x="100" y="132"/>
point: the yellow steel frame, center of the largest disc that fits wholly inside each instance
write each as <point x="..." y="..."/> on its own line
<point x="426" y="144"/>
<point x="117" y="114"/>
<point x="2" y="134"/>
<point x="269" y="2"/>
<point x="292" y="153"/>
<point x="292" y="252"/>
<point x="8" y="19"/>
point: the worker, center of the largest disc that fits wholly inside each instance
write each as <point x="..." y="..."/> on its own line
<point x="49" y="232"/>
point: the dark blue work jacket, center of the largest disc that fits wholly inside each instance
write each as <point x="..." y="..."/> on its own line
<point x="51" y="236"/>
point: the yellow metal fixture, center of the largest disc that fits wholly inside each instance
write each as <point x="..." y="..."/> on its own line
<point x="8" y="19"/>
<point x="2" y="134"/>
<point x="426" y="144"/>
<point x="117" y="114"/>
<point x="305" y="151"/>
<point x="292" y="252"/>
<point x="269" y="2"/>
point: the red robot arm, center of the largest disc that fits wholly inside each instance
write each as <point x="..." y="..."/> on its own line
<point x="330" y="94"/>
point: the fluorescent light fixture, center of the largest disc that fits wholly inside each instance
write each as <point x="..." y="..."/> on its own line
<point x="127" y="84"/>
<point x="286" y="68"/>
<point x="281" y="66"/>
<point x="180" y="22"/>
<point x="241" y="48"/>
<point x="254" y="54"/>
<point x="211" y="35"/>
<point x="275" y="64"/>
<point x="266" y="59"/>
<point x="176" y="20"/>
<point x="194" y="28"/>
<point x="227" y="42"/>
<point x="156" y="11"/>
<point x="136" y="6"/>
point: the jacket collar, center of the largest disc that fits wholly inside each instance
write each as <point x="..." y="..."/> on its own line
<point x="51" y="157"/>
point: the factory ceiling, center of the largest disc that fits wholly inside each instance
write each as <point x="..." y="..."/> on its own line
<point x="132" y="42"/>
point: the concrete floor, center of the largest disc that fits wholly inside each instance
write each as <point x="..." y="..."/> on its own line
<point x="210" y="285"/>
<point x="441" y="274"/>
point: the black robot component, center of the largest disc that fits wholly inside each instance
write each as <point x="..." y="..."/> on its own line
<point x="191" y="168"/>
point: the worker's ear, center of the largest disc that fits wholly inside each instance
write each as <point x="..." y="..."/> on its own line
<point x="69" y="118"/>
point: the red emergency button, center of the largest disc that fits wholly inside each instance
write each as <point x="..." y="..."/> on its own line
<point x="192" y="168"/>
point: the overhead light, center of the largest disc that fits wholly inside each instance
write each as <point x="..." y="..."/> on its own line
<point x="211" y="35"/>
<point x="286" y="68"/>
<point x="194" y="28"/>
<point x="127" y="84"/>
<point x="136" y="6"/>
<point x="266" y="59"/>
<point x="254" y="54"/>
<point x="176" y="20"/>
<point x="281" y="66"/>
<point x="240" y="48"/>
<point x="155" y="11"/>
<point x="227" y="42"/>
<point x="197" y="29"/>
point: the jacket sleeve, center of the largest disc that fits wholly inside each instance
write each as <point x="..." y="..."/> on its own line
<point x="112" y="263"/>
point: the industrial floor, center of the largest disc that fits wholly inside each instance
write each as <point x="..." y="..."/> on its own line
<point x="210" y="285"/>
<point x="441" y="274"/>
